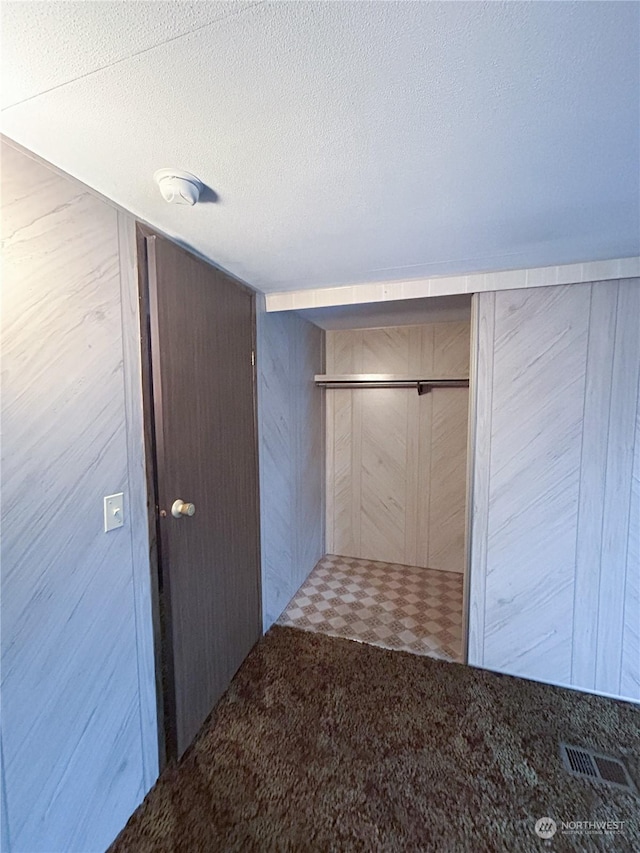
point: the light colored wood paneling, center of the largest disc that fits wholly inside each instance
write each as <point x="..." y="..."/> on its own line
<point x="329" y="462"/>
<point x="451" y="349"/>
<point x="480" y="487"/>
<point x="622" y="426"/>
<point x="308" y="415"/>
<point x="538" y="381"/>
<point x="340" y="478"/>
<point x="421" y="512"/>
<point x="330" y="433"/>
<point x="276" y="471"/>
<point x="630" y="675"/>
<point x="71" y="725"/>
<point x="412" y="457"/>
<point x="556" y="492"/>
<point x="291" y="449"/>
<point x="358" y="401"/>
<point x="427" y="362"/>
<point x="385" y="350"/>
<point x="593" y="478"/>
<point x="448" y="479"/>
<point x="383" y="474"/>
<point x="383" y="456"/>
<point x="344" y="354"/>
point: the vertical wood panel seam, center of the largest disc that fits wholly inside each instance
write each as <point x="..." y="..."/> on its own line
<point x="333" y="447"/>
<point x="302" y="344"/>
<point x="356" y="414"/>
<point x="606" y="477"/>
<point x="419" y="461"/>
<point x="323" y="448"/>
<point x="407" y="482"/>
<point x="260" y="307"/>
<point x="330" y="424"/>
<point x="293" y="478"/>
<point x="488" y="484"/>
<point x="578" y="514"/>
<point x="433" y="350"/>
<point x="483" y="394"/>
<point x="590" y="519"/>
<point x="626" y="537"/>
<point x="297" y="387"/>
<point x="329" y="427"/>
<point x="429" y="446"/>
<point x="6" y="828"/>
<point x="471" y="460"/>
<point x="408" y="548"/>
<point x="407" y="479"/>
<point x="629" y="497"/>
<point x="430" y="469"/>
<point x="426" y="445"/>
<point x="412" y="443"/>
<point x="626" y="561"/>
<point x="330" y="474"/>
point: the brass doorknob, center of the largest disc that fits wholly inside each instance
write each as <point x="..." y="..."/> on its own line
<point x="181" y="508"/>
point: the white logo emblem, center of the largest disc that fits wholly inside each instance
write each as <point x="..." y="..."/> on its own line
<point x="546" y="827"/>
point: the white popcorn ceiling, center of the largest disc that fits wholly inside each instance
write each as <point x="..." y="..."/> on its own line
<point x="346" y="142"/>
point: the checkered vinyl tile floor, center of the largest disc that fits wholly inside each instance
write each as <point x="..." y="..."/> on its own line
<point x="385" y="604"/>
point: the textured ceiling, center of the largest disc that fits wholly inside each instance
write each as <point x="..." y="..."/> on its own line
<point x="345" y="141"/>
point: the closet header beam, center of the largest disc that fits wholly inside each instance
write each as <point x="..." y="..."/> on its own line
<point x="387" y="380"/>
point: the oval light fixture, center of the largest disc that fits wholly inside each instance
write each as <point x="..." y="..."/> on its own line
<point x="178" y="187"/>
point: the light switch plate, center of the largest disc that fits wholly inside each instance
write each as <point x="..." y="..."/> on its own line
<point x="113" y="511"/>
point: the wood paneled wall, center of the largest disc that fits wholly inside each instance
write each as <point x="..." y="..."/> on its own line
<point x="555" y="575"/>
<point x="396" y="461"/>
<point x="79" y="736"/>
<point x="291" y="449"/>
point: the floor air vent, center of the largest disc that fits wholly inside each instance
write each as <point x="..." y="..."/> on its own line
<point x="594" y="765"/>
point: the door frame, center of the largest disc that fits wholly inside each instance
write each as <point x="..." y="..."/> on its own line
<point x="153" y="453"/>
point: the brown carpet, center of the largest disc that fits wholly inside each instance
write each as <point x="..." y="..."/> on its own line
<point x="323" y="744"/>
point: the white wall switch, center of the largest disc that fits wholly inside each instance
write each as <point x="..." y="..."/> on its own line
<point x="113" y="512"/>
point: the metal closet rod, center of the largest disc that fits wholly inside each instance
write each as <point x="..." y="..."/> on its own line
<point x="423" y="386"/>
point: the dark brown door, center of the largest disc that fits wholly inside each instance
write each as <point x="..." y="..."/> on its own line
<point x="202" y="344"/>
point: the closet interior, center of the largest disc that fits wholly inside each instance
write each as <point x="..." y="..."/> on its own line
<point x="396" y="404"/>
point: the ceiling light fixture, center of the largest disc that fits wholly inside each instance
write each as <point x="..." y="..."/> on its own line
<point x="178" y="187"/>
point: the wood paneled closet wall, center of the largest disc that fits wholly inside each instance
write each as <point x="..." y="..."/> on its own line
<point x="396" y="461"/>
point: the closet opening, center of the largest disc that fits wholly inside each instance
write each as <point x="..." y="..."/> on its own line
<point x="396" y="386"/>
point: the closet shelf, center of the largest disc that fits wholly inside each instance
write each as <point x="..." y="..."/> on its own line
<point x="387" y="380"/>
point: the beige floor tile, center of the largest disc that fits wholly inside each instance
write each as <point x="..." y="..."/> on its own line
<point x="397" y="607"/>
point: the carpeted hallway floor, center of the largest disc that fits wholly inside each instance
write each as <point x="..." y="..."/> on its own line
<point x="324" y="744"/>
